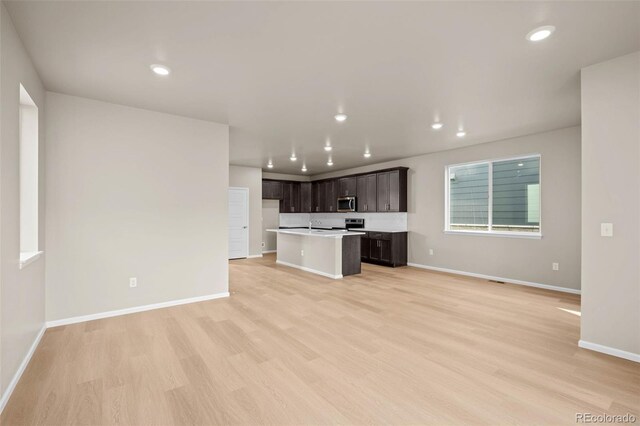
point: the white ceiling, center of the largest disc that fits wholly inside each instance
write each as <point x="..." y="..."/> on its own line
<point x="277" y="72"/>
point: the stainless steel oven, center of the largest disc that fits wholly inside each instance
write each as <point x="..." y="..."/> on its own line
<point x="353" y="223"/>
<point x="347" y="204"/>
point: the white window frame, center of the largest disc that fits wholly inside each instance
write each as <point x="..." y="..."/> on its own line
<point x="490" y="232"/>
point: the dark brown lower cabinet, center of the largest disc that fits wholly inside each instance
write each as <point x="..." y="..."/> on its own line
<point x="384" y="248"/>
<point x="351" y="255"/>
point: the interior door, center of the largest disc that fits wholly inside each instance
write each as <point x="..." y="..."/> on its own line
<point x="238" y="223"/>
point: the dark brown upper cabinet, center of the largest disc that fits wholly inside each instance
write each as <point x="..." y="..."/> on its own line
<point x="347" y="186"/>
<point x="329" y="196"/>
<point x="305" y="197"/>
<point x="316" y="197"/>
<point x="367" y="193"/>
<point x="378" y="191"/>
<point x="290" y="202"/>
<point x="392" y="190"/>
<point x="271" y="190"/>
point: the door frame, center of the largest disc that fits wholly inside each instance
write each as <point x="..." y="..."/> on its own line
<point x="246" y="190"/>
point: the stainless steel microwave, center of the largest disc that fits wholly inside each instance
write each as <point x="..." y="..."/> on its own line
<point x="347" y="204"/>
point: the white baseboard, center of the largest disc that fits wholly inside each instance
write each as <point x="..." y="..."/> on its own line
<point x="254" y="256"/>
<point x="108" y="314"/>
<point x="23" y="366"/>
<point x="269" y="251"/>
<point x="314" y="271"/>
<point x="609" y="351"/>
<point x="490" y="277"/>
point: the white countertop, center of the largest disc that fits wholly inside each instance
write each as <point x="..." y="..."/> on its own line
<point x="392" y="231"/>
<point x="333" y="233"/>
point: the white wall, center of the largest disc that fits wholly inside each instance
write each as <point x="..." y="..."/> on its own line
<point x="270" y="214"/>
<point x="132" y="193"/>
<point x="611" y="193"/>
<point x="512" y="258"/>
<point x="251" y="177"/>
<point x="284" y="176"/>
<point x="22" y="291"/>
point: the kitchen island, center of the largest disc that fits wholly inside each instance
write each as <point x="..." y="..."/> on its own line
<point x="331" y="253"/>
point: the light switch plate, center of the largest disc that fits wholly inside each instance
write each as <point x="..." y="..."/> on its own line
<point x="606" y="229"/>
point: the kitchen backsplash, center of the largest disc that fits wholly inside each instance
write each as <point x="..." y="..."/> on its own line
<point x="377" y="221"/>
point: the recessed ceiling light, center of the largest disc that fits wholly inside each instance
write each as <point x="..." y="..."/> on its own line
<point x="328" y="148"/>
<point x="437" y="126"/>
<point x="160" y="69"/>
<point x="461" y="134"/>
<point x="304" y="168"/>
<point x="270" y="164"/>
<point x="541" y="33"/>
<point x="367" y="154"/>
<point x="330" y="162"/>
<point x="293" y="157"/>
<point x="340" y="117"/>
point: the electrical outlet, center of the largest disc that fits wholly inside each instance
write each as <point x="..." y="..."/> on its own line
<point x="301" y="252"/>
<point x="430" y="252"/>
<point x="606" y="229"/>
<point x="263" y="244"/>
<point x="133" y="282"/>
<point x="555" y="266"/>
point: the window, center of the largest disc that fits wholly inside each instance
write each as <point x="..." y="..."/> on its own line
<point x="28" y="123"/>
<point x="500" y="197"/>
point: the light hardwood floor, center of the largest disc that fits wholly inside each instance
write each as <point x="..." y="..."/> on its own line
<point x="394" y="346"/>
